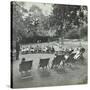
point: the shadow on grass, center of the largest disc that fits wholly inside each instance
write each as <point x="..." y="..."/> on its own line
<point x="44" y="73"/>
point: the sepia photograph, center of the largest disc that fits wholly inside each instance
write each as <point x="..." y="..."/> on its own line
<point x="49" y="44"/>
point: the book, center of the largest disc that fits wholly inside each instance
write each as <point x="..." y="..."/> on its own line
<point x="49" y="44"/>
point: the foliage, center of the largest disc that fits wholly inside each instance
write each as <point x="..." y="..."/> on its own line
<point x="65" y="21"/>
<point x="77" y="34"/>
<point x="67" y="17"/>
<point x="17" y="20"/>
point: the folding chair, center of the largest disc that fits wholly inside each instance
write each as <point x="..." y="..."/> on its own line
<point x="44" y="63"/>
<point x="25" y="69"/>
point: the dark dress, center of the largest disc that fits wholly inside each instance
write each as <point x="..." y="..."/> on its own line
<point x="17" y="50"/>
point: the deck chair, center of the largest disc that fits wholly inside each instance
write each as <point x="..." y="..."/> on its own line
<point x="70" y="58"/>
<point x="44" y="63"/>
<point x="25" y="69"/>
<point x="57" y="60"/>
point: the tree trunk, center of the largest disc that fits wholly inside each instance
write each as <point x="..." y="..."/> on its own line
<point x="62" y="35"/>
<point x="62" y="40"/>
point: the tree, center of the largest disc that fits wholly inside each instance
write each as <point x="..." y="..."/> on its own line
<point x="66" y="17"/>
<point x="36" y="22"/>
<point x="33" y="20"/>
<point x="17" y="19"/>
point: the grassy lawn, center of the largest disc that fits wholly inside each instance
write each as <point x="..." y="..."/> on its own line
<point x="75" y="75"/>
